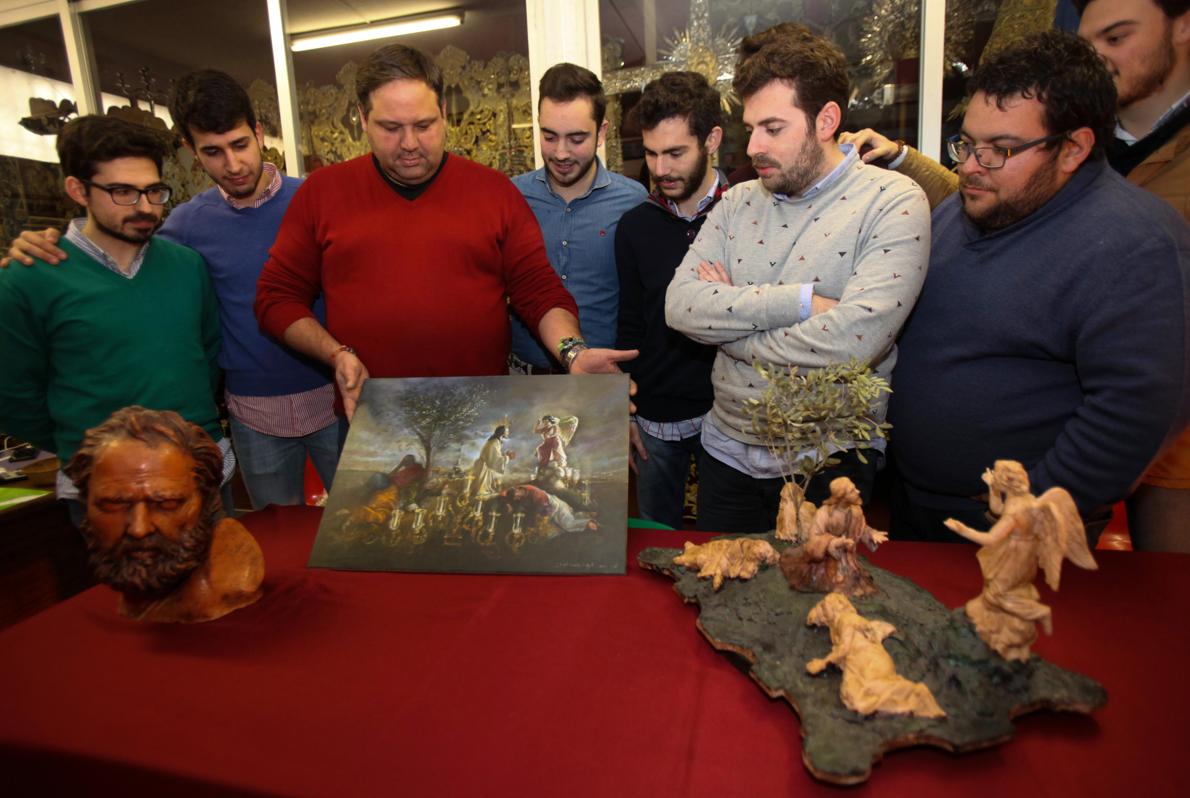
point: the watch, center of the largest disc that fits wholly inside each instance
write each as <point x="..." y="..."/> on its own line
<point x="569" y="349"/>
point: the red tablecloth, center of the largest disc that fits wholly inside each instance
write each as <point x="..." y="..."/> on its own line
<point x="341" y="683"/>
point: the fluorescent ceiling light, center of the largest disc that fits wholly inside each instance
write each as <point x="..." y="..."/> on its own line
<point x="375" y="30"/>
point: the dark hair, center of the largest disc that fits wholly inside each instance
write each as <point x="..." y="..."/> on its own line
<point x="154" y="428"/>
<point x="565" y="82"/>
<point x="1060" y="71"/>
<point x="782" y="31"/>
<point x="396" y="62"/>
<point x="814" y="67"/>
<point x="685" y="94"/>
<point x="88" y="141"/>
<point x="1171" y="8"/>
<point x="210" y="101"/>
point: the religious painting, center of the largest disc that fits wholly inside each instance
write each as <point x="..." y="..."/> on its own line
<point x="482" y="475"/>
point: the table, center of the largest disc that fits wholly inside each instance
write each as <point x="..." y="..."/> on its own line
<point x="347" y="683"/>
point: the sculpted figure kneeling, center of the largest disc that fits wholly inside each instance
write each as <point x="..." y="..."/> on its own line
<point x="150" y="482"/>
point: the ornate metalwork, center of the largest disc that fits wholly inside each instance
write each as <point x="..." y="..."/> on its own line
<point x="488" y="107"/>
<point x="891" y="32"/>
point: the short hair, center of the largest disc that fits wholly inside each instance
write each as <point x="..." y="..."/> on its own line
<point x="88" y="141"/>
<point x="396" y="62"/>
<point x="154" y="428"/>
<point x="782" y="31"/>
<point x="1171" y="8"/>
<point x="1060" y="71"/>
<point x="814" y="67"/>
<point x="683" y="94"/>
<point x="210" y="101"/>
<point x="565" y="82"/>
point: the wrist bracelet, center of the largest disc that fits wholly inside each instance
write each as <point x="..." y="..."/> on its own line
<point x="343" y="348"/>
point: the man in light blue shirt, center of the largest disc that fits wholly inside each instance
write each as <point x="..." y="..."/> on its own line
<point x="578" y="204"/>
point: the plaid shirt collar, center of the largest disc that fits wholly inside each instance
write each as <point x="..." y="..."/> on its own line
<point x="274" y="176"/>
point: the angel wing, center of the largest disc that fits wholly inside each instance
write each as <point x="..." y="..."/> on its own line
<point x="566" y="427"/>
<point x="1062" y="534"/>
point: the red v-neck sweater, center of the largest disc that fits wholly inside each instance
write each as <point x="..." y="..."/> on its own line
<point x="418" y="287"/>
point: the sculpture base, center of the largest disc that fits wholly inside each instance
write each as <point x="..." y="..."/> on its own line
<point x="764" y="621"/>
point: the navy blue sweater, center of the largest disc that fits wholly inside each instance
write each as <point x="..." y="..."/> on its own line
<point x="673" y="373"/>
<point x="235" y="244"/>
<point x="1059" y="341"/>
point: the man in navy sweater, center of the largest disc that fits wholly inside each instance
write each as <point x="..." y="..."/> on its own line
<point x="281" y="404"/>
<point x="681" y="124"/>
<point x="1051" y="282"/>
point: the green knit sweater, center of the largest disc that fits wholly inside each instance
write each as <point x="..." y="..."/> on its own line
<point x="78" y="342"/>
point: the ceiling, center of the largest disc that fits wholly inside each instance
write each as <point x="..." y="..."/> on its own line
<point x="173" y="37"/>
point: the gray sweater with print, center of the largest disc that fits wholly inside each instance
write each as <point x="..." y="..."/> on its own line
<point x="863" y="239"/>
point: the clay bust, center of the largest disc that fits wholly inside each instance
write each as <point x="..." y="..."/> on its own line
<point x="1032" y="531"/>
<point x="150" y="482"/>
<point x="870" y="679"/>
<point x="828" y="561"/>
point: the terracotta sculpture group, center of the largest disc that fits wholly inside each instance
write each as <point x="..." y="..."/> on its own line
<point x="1030" y="532"/>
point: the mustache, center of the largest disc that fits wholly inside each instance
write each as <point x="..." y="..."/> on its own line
<point x="973" y="182"/>
<point x="142" y="217"/>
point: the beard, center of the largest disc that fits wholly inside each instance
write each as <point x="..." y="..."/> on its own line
<point x="799" y="175"/>
<point x="153" y="566"/>
<point x="689" y="182"/>
<point x="1007" y="211"/>
<point x="584" y="168"/>
<point x="131" y="238"/>
<point x="1152" y="72"/>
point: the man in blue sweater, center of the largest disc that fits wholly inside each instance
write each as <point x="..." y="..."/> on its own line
<point x="1052" y="325"/>
<point x="281" y="404"/>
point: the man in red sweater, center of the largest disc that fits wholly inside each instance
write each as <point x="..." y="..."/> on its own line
<point x="418" y="253"/>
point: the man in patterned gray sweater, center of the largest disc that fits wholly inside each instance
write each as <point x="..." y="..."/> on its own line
<point x="818" y="261"/>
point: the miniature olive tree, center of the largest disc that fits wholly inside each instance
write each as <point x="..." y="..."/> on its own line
<point x="803" y="415"/>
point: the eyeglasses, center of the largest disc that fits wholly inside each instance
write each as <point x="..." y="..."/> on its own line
<point x="992" y="156"/>
<point x="127" y="195"/>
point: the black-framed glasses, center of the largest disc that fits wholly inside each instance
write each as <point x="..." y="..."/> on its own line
<point x="127" y="195"/>
<point x="992" y="156"/>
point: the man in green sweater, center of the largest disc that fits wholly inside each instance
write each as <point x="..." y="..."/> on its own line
<point x="134" y="321"/>
<point x="817" y="262"/>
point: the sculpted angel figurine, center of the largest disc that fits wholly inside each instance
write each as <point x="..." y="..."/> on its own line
<point x="828" y="561"/>
<point x="1032" y="531"/>
<point x="870" y="679"/>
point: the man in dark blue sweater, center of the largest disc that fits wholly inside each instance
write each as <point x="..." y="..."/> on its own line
<point x="1052" y="325"/>
<point x="281" y="404"/>
<point x="681" y="124"/>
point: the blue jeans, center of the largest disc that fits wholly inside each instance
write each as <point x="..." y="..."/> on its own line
<point x="274" y="469"/>
<point x="661" y="480"/>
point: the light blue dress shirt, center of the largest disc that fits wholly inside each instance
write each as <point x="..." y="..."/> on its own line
<point x="580" y="238"/>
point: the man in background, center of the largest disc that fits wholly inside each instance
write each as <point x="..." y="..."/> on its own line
<point x="681" y="121"/>
<point x="578" y="204"/>
<point x="1052" y="326"/>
